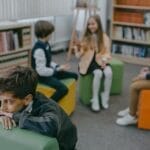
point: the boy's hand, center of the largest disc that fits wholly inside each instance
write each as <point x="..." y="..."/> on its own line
<point x="64" y="67"/>
<point x="7" y="122"/>
<point x="6" y="114"/>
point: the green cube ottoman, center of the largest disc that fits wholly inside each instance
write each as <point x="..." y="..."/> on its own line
<point x="85" y="82"/>
<point x="20" y="139"/>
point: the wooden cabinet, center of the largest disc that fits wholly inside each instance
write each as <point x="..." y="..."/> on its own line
<point x="130" y="31"/>
<point x="15" y="45"/>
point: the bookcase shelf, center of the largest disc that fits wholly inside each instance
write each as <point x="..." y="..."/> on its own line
<point x="130" y="31"/>
<point x="133" y="59"/>
<point x="139" y="8"/>
<point x="15" y="45"/>
<point x="131" y="24"/>
<point x="138" y="42"/>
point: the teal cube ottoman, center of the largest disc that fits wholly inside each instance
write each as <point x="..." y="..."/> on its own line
<point x="85" y="82"/>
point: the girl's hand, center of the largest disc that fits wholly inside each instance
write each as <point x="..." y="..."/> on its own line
<point x="7" y="123"/>
<point x="103" y="64"/>
<point x="75" y="48"/>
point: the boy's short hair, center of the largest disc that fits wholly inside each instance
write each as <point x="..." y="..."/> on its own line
<point x="20" y="81"/>
<point x="43" y="28"/>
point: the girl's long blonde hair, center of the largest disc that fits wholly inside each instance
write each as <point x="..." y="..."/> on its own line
<point x="99" y="34"/>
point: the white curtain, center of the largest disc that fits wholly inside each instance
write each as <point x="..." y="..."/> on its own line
<point x="23" y="9"/>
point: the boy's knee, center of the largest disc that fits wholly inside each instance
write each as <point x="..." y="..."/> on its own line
<point x="133" y="86"/>
<point x="75" y="76"/>
<point x="64" y="90"/>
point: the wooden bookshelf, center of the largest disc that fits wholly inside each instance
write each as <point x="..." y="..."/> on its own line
<point x="15" y="45"/>
<point x="130" y="31"/>
<point x="133" y="60"/>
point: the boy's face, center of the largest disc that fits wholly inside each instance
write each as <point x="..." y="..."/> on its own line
<point x="11" y="104"/>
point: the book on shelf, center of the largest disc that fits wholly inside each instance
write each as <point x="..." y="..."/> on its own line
<point x="127" y="33"/>
<point x="137" y="34"/>
<point x="127" y="16"/>
<point x="16" y="40"/>
<point x="8" y="61"/>
<point x="138" y="51"/>
<point x="147" y="18"/>
<point x="118" y="32"/>
<point x="131" y="33"/>
<point x="147" y="34"/>
<point x="116" y="48"/>
<point x="7" y="43"/>
<point x="148" y="52"/>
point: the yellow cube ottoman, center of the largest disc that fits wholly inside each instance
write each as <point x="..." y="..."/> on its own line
<point x="68" y="102"/>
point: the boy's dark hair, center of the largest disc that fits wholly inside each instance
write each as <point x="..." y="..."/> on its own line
<point x="20" y="81"/>
<point x="43" y="28"/>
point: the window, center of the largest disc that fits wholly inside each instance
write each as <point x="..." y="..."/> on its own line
<point x="22" y="9"/>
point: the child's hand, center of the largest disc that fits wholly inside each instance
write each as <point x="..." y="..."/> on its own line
<point x="64" y="67"/>
<point x="141" y="76"/>
<point x="6" y="114"/>
<point x="135" y="79"/>
<point x="103" y="64"/>
<point x="7" y="122"/>
<point x="144" y="69"/>
<point x="75" y="48"/>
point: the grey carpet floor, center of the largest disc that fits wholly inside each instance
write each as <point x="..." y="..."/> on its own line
<point x="99" y="131"/>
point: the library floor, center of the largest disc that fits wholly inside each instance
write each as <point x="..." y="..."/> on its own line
<point x="99" y="131"/>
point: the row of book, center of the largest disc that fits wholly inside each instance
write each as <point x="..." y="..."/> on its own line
<point x="132" y="17"/>
<point x="9" y="61"/>
<point x="138" y="51"/>
<point x="131" y="33"/>
<point x="134" y="2"/>
<point x="129" y="16"/>
<point x="14" y="39"/>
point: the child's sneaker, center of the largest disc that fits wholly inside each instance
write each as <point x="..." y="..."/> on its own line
<point x="104" y="100"/>
<point x="123" y="113"/>
<point x="95" y="105"/>
<point x="126" y="120"/>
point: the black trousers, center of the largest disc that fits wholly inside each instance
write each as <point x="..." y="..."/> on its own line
<point x="54" y="82"/>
